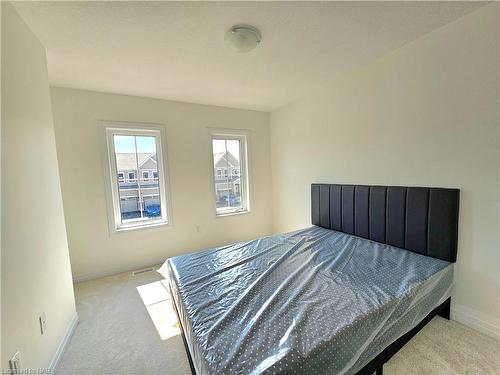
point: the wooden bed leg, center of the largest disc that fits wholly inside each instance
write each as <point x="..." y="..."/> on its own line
<point x="445" y="311"/>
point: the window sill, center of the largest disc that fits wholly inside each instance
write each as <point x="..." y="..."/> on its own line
<point x="231" y="213"/>
<point x="130" y="228"/>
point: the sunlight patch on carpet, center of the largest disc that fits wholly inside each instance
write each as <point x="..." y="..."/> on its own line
<point x="159" y="306"/>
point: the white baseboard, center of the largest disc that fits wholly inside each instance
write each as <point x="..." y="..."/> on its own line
<point x="111" y="272"/>
<point x="474" y="319"/>
<point x="97" y="275"/>
<point x="62" y="345"/>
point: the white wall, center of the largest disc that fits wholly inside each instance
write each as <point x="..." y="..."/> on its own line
<point x="423" y="115"/>
<point x="94" y="252"/>
<point x="36" y="274"/>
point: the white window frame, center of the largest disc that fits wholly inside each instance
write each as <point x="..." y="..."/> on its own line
<point x="109" y="129"/>
<point x="245" y="171"/>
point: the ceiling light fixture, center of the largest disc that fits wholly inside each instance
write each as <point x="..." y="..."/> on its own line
<point x="243" y="38"/>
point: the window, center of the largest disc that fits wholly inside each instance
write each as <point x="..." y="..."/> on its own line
<point x="230" y="153"/>
<point x="136" y="202"/>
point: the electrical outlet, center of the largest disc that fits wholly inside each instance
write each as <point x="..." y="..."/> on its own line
<point x="15" y="363"/>
<point x="43" y="323"/>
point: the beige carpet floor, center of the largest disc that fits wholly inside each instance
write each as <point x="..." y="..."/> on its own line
<point x="127" y="326"/>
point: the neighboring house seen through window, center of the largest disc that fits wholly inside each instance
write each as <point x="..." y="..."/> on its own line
<point x="133" y="152"/>
<point x="229" y="155"/>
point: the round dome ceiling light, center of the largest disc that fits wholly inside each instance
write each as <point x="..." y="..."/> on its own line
<point x="243" y="38"/>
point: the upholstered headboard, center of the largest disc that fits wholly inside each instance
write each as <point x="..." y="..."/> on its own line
<point x="419" y="219"/>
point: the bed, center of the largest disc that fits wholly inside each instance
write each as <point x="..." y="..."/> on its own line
<point x="340" y="297"/>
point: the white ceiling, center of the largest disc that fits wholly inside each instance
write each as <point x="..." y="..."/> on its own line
<point x="175" y="50"/>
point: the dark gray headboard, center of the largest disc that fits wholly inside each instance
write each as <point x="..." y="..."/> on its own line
<point x="419" y="219"/>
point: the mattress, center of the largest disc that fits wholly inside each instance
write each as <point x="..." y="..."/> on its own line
<point x="314" y="301"/>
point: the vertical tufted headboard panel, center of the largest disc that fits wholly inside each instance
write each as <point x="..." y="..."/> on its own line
<point x="419" y="219"/>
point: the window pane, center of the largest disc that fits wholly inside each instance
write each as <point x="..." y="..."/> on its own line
<point x="139" y="195"/>
<point x="228" y="193"/>
<point x="233" y="159"/>
<point x="220" y="166"/>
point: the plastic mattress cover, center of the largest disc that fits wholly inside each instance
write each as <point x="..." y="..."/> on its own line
<point x="314" y="301"/>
